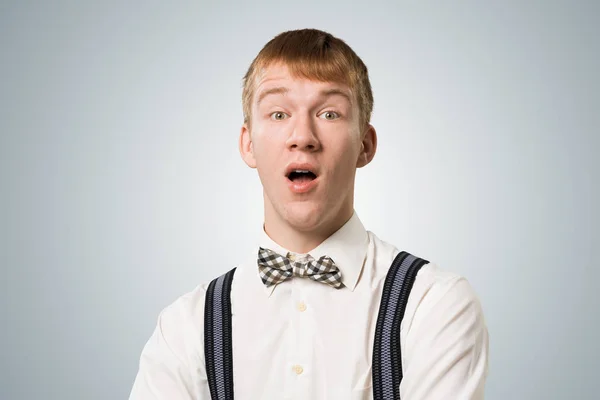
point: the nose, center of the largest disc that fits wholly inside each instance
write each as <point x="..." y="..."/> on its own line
<point x="303" y="136"/>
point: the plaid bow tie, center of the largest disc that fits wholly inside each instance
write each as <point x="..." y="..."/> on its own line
<point x="275" y="268"/>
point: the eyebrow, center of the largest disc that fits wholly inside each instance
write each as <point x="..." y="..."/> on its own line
<point x="333" y="92"/>
<point x="276" y="90"/>
<point x="322" y="93"/>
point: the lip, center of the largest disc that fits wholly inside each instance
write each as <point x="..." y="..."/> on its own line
<point x="302" y="187"/>
<point x="301" y="166"/>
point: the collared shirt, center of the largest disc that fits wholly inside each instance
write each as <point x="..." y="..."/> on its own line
<point x="303" y="339"/>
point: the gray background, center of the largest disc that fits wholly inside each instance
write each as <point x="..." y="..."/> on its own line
<point x="122" y="187"/>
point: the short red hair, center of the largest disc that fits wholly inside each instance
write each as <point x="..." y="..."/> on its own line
<point x="317" y="55"/>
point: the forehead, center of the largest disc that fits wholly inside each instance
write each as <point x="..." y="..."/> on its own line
<point x="277" y="78"/>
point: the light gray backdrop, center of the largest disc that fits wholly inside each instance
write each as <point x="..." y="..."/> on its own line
<point x="122" y="187"/>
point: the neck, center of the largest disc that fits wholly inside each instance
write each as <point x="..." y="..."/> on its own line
<point x="303" y="239"/>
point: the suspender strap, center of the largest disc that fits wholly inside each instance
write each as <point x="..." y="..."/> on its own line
<point x="217" y="337"/>
<point x="387" y="358"/>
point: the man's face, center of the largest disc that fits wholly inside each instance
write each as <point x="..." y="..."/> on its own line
<point x="300" y="125"/>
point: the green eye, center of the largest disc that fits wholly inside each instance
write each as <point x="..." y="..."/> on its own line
<point x="330" y="115"/>
<point x="278" y="115"/>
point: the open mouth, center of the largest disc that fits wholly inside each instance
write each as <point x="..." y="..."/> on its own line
<point x="301" y="176"/>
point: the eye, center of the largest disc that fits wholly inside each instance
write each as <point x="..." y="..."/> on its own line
<point x="330" y="115"/>
<point x="278" y="115"/>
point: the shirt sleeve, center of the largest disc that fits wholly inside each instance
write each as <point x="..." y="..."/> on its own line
<point x="171" y="365"/>
<point x="445" y="354"/>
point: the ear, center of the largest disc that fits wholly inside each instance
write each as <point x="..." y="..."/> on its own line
<point x="245" y="146"/>
<point x="368" y="147"/>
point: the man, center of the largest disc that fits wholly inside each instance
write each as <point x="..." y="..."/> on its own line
<point x="307" y="103"/>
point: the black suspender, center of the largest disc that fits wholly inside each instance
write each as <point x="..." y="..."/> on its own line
<point x="387" y="358"/>
<point x="217" y="337"/>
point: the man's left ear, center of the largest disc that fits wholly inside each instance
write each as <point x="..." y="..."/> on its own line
<point x="368" y="147"/>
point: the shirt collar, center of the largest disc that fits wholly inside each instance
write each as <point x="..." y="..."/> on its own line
<point x="347" y="247"/>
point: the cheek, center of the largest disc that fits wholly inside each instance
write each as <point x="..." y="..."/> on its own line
<point x="348" y="151"/>
<point x="345" y="165"/>
<point x="267" y="155"/>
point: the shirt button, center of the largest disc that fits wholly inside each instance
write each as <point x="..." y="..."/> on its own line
<point x="301" y="306"/>
<point x="291" y="256"/>
<point x="298" y="369"/>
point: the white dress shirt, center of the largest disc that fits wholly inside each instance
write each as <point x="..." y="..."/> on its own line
<point x="303" y="339"/>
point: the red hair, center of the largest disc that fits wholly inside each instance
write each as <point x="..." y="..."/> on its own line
<point x="316" y="55"/>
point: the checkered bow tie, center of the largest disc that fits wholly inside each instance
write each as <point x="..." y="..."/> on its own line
<point x="275" y="268"/>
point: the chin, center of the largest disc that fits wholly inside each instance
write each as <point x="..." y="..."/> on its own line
<point x="304" y="217"/>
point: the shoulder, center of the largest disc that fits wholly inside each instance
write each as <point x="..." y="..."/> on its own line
<point x="185" y="314"/>
<point x="443" y="310"/>
<point x="188" y="308"/>
<point x="436" y="288"/>
<point x="183" y="318"/>
<point x="179" y="327"/>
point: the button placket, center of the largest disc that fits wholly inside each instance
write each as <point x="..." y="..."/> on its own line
<point x="298" y="367"/>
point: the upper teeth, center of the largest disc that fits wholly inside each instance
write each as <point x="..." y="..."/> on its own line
<point x="301" y="171"/>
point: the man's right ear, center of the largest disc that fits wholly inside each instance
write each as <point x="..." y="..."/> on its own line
<point x="245" y="145"/>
